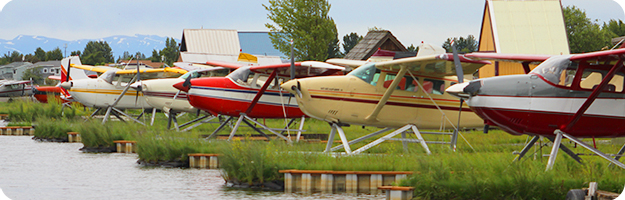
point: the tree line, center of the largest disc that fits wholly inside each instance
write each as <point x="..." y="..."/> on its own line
<point x="95" y="53"/>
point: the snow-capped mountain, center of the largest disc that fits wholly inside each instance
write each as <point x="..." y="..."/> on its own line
<point x="27" y="44"/>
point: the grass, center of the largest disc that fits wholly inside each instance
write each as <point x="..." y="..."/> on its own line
<point x="53" y="129"/>
<point x="28" y="111"/>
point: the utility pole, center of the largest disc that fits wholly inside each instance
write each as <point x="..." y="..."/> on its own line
<point x="65" y="53"/>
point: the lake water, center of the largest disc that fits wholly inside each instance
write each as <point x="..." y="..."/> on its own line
<point x="45" y="170"/>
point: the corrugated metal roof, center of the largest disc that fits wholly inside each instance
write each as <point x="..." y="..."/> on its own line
<point x="213" y="41"/>
<point x="528" y="27"/>
<point x="373" y="41"/>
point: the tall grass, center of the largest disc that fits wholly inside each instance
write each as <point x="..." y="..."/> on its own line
<point x="29" y="111"/>
<point x="96" y="134"/>
<point x="159" y="146"/>
<point x="53" y="129"/>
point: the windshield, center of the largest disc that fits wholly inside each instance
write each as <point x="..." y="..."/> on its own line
<point x="367" y="73"/>
<point x="240" y="74"/>
<point x="555" y="68"/>
<point x="193" y="74"/>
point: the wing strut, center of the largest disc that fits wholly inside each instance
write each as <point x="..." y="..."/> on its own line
<point x="261" y="91"/>
<point x="374" y="115"/>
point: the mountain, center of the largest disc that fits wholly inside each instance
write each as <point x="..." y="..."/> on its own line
<point x="27" y="44"/>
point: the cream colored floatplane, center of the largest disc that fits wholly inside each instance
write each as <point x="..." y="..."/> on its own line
<point x="405" y="94"/>
<point x="110" y="90"/>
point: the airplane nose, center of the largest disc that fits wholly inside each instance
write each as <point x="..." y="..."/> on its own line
<point x="137" y="86"/>
<point x="464" y="90"/>
<point x="293" y="87"/>
<point x="67" y="85"/>
<point x="457" y="90"/>
<point x="181" y="87"/>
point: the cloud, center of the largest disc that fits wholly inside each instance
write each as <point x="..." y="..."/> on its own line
<point x="3" y="3"/>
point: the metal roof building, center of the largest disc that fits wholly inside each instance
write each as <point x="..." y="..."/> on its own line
<point x="201" y="45"/>
<point x="521" y="27"/>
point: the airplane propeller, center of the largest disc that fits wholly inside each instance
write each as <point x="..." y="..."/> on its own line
<point x="460" y="75"/>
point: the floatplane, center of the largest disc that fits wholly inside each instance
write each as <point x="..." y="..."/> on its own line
<point x="252" y="92"/>
<point x="405" y="92"/>
<point x="11" y="88"/>
<point x="572" y="96"/>
<point x="110" y="90"/>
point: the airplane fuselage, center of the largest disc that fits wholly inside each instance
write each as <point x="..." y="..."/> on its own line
<point x="350" y="99"/>
<point x="221" y="95"/>
<point x="159" y="93"/>
<point x="100" y="94"/>
<point x="527" y="104"/>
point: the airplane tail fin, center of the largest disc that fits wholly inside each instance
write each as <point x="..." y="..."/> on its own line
<point x="74" y="73"/>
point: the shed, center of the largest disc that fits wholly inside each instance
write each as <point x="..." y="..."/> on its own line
<point x="373" y="41"/>
<point x="521" y="27"/>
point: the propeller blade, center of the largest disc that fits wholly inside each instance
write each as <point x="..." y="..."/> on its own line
<point x="138" y="81"/>
<point x="69" y="68"/>
<point x="459" y="71"/>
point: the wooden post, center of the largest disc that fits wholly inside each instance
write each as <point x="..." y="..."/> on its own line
<point x="213" y="162"/>
<point x="306" y="183"/>
<point x="376" y="181"/>
<point x="326" y="183"/>
<point x="288" y="182"/>
<point x="397" y="192"/>
<point x="351" y="183"/>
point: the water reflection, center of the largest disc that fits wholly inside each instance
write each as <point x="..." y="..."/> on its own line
<point x="44" y="170"/>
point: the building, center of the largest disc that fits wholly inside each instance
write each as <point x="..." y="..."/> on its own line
<point x="373" y="41"/>
<point x="201" y="45"/>
<point x="521" y="27"/>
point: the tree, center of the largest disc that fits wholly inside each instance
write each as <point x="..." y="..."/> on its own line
<point x="31" y="58"/>
<point x="55" y="54"/>
<point x="306" y="23"/>
<point x="170" y="52"/>
<point x="350" y="41"/>
<point x="15" y="56"/>
<point x="155" y="56"/>
<point x="412" y="48"/>
<point x="75" y="53"/>
<point x="33" y="74"/>
<point x="97" y="53"/>
<point x="584" y="35"/>
<point x="464" y="45"/>
<point x="616" y="27"/>
<point x="334" y="51"/>
<point x="40" y="54"/>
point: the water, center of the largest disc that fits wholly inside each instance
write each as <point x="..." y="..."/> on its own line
<point x="45" y="170"/>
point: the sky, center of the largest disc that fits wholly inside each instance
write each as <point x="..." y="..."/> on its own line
<point x="410" y="21"/>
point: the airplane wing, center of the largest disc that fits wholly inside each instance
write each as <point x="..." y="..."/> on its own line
<point x="508" y="57"/>
<point x="302" y="69"/>
<point x="146" y="70"/>
<point x="9" y="83"/>
<point x="609" y="55"/>
<point x="346" y="62"/>
<point x="194" y="66"/>
<point x="224" y="64"/>
<point x="99" y="69"/>
<point x="432" y="65"/>
<point x="53" y="77"/>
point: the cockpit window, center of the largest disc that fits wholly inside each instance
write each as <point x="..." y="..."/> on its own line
<point x="368" y="73"/>
<point x="193" y="74"/>
<point x="108" y="76"/>
<point x="240" y="75"/>
<point x="558" y="70"/>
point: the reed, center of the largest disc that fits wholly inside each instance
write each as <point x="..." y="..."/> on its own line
<point x="94" y="134"/>
<point x="161" y="146"/>
<point x="29" y="111"/>
<point x="53" y="129"/>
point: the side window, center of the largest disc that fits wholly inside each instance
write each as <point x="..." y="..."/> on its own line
<point x="434" y="86"/>
<point x="407" y="83"/>
<point x="592" y="78"/>
<point x="567" y="75"/>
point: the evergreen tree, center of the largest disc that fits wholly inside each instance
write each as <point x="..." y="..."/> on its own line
<point x="155" y="56"/>
<point x="97" y="53"/>
<point x="55" y="54"/>
<point x="170" y="52"/>
<point x="350" y="41"/>
<point x="40" y="54"/>
<point x="464" y="45"/>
